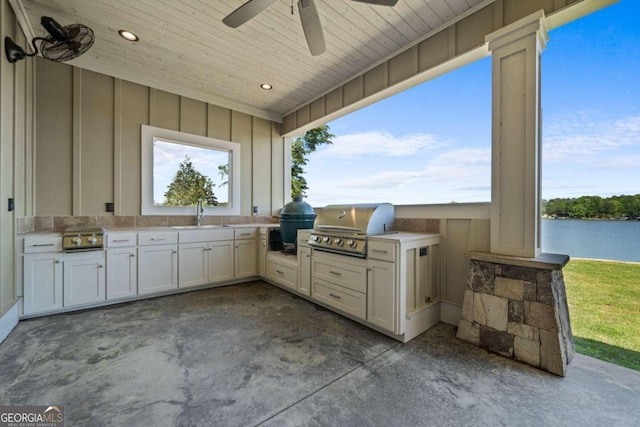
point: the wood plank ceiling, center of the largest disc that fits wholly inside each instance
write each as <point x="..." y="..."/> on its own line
<point x="186" y="49"/>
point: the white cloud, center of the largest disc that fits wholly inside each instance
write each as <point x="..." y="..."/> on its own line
<point x="580" y="136"/>
<point x="381" y="143"/>
<point x="461" y="175"/>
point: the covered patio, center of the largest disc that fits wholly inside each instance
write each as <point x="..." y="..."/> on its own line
<point x="251" y="354"/>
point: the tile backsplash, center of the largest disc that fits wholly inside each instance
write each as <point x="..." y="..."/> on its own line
<point x="59" y="223"/>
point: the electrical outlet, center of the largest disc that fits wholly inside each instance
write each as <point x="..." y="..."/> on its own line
<point x="11" y="205"/>
<point x="109" y="206"/>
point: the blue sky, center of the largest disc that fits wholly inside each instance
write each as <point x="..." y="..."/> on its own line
<point x="432" y="143"/>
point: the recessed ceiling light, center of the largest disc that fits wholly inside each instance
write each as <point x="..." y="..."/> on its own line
<point x="266" y="86"/>
<point x="128" y="35"/>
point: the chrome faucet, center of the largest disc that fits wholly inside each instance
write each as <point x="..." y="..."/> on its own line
<point x="199" y="212"/>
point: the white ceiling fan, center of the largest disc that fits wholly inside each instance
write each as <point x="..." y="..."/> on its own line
<point x="308" y="16"/>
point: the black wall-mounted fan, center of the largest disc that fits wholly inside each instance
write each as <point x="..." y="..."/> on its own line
<point x="308" y="16"/>
<point x="63" y="44"/>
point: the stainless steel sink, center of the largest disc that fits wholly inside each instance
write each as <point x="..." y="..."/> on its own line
<point x="195" y="227"/>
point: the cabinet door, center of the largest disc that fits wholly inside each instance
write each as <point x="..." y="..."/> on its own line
<point x="304" y="270"/>
<point x="381" y="296"/>
<point x="84" y="281"/>
<point x="262" y="257"/>
<point x="122" y="273"/>
<point x="245" y="258"/>
<point x="193" y="264"/>
<point x="157" y="268"/>
<point x="220" y="261"/>
<point x="42" y="282"/>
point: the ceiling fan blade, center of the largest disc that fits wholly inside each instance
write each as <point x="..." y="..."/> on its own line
<point x="379" y="2"/>
<point x="246" y="12"/>
<point x="312" y="26"/>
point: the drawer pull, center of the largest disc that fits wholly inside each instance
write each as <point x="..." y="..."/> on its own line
<point x="245" y="234"/>
<point x="100" y="266"/>
<point x="335" y="273"/>
<point x="57" y="261"/>
<point x="155" y="239"/>
<point x="121" y="240"/>
<point x="279" y="272"/>
<point x="41" y="245"/>
<point x="335" y="296"/>
<point x="380" y="251"/>
<point x="174" y="251"/>
<point x="132" y="255"/>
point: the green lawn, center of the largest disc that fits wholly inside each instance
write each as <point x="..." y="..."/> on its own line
<point x="604" y="305"/>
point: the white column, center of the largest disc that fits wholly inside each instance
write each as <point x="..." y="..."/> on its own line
<point x="516" y="136"/>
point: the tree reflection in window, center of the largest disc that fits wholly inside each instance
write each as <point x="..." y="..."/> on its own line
<point x="184" y="174"/>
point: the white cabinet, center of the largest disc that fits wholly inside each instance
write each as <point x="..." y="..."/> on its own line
<point x="262" y="251"/>
<point x="205" y="262"/>
<point x="402" y="283"/>
<point x="193" y="264"/>
<point x="221" y="261"/>
<point x="304" y="270"/>
<point x="381" y="295"/>
<point x="340" y="282"/>
<point x="205" y="257"/>
<point x="157" y="262"/>
<point x="84" y="278"/>
<point x="122" y="265"/>
<point x="245" y="258"/>
<point x="42" y="282"/>
<point x="53" y="280"/>
<point x="282" y="269"/>
<point x="245" y="253"/>
<point x="304" y="262"/>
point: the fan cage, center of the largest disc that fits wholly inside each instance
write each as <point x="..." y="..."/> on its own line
<point x="80" y="40"/>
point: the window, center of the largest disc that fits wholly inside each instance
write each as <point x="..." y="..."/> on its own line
<point x="173" y="161"/>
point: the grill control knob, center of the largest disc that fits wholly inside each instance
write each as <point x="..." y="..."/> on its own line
<point x="314" y="238"/>
<point x="92" y="239"/>
<point x="339" y="242"/>
<point x="327" y="240"/>
<point x="76" y="240"/>
<point x="351" y="243"/>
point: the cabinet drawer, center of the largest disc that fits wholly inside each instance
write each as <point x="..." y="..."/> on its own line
<point x="245" y="233"/>
<point x="286" y="275"/>
<point x="344" y="299"/>
<point x="120" y="240"/>
<point x="158" y="238"/>
<point x="349" y="276"/>
<point x="384" y="251"/>
<point x="33" y="244"/>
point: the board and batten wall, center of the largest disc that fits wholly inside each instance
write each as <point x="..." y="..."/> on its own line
<point x="16" y="152"/>
<point x="88" y="143"/>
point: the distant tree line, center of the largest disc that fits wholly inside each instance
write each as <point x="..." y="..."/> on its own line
<point x="586" y="207"/>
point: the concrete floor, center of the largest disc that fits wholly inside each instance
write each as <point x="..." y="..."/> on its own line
<point x="253" y="354"/>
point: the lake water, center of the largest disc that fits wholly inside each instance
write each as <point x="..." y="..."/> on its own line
<point x="613" y="240"/>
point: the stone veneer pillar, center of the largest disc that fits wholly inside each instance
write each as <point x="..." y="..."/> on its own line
<point x="517" y="307"/>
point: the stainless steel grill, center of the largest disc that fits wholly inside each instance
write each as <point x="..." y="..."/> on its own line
<point x="82" y="238"/>
<point x="344" y="228"/>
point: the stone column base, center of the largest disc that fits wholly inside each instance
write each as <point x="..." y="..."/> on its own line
<point x="517" y="307"/>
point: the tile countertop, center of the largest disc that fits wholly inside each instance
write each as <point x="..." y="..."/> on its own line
<point x="404" y="236"/>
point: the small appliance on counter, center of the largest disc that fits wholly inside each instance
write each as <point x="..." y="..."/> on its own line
<point x="295" y="215"/>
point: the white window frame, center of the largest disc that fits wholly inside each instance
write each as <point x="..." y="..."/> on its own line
<point x="149" y="134"/>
